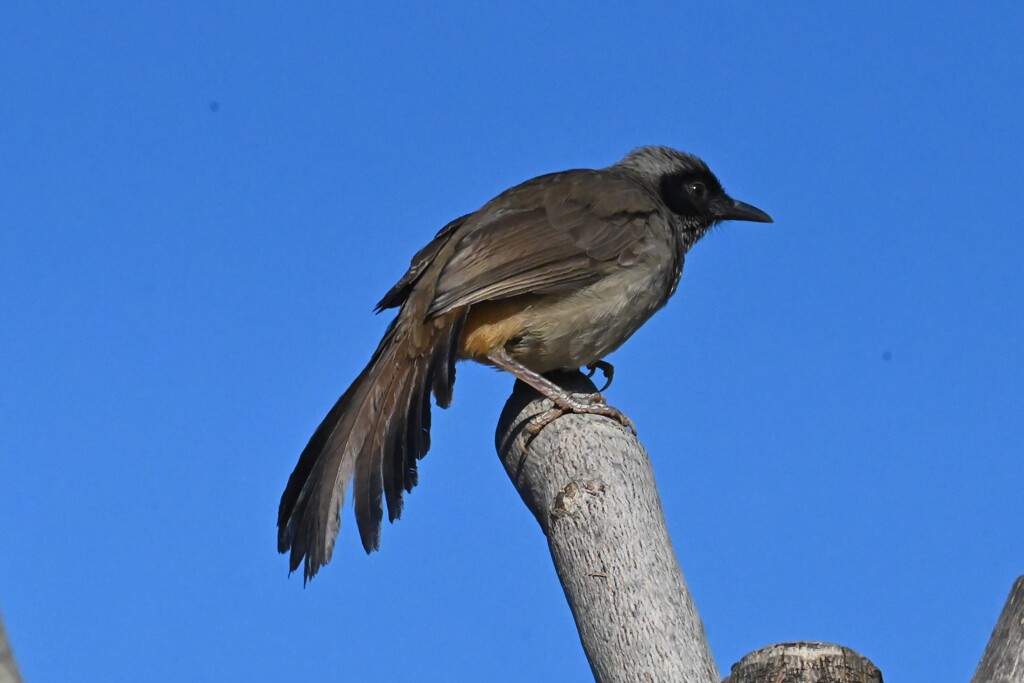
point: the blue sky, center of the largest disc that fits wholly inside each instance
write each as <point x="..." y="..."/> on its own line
<point x="200" y="205"/>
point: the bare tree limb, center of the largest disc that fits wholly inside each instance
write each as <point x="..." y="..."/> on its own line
<point x="8" y="668"/>
<point x="804" y="663"/>
<point x="1003" y="661"/>
<point x="589" y="484"/>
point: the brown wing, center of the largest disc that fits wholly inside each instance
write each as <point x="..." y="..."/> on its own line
<point x="397" y="295"/>
<point x="552" y="233"/>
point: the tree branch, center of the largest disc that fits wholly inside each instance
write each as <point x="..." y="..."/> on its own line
<point x="8" y="669"/>
<point x="1003" y="661"/>
<point x="590" y="486"/>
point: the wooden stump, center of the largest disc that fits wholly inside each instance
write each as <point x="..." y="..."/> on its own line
<point x="804" y="663"/>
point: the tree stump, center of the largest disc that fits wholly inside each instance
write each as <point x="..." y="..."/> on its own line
<point x="804" y="663"/>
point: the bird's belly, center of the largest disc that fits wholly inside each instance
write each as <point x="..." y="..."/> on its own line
<point x="576" y="329"/>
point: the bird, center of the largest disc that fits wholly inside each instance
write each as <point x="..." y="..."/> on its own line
<point x="554" y="273"/>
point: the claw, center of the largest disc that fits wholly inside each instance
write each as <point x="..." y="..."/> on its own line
<point x="606" y="368"/>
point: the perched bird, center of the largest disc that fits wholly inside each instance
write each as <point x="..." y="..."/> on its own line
<point x="551" y="274"/>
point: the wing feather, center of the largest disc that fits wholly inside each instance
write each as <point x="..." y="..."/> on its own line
<point x="553" y="233"/>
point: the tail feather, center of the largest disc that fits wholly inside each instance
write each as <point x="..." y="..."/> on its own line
<point x="297" y="497"/>
<point x="408" y="441"/>
<point x="376" y="433"/>
<point x="418" y="435"/>
<point x="442" y="372"/>
<point x="378" y="412"/>
<point x="443" y="362"/>
<point x="308" y="515"/>
<point x="394" y="457"/>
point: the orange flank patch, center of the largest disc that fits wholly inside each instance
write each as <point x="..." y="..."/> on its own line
<point x="490" y="325"/>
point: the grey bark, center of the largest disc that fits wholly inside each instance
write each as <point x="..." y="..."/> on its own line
<point x="804" y="663"/>
<point x="1003" y="661"/>
<point x="8" y="669"/>
<point x="589" y="483"/>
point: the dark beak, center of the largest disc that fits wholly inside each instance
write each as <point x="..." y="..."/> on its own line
<point x="740" y="211"/>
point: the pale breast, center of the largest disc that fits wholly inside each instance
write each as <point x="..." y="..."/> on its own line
<point x="579" y="328"/>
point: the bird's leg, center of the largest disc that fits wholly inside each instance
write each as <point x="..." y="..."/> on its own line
<point x="593" y="404"/>
<point x="606" y="368"/>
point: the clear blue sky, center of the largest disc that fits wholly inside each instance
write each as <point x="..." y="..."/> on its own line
<point x="200" y="205"/>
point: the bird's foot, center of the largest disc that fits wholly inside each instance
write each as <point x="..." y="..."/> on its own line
<point x="564" y="402"/>
<point x="588" y="404"/>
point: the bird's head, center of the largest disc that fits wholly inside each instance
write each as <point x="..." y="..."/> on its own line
<point x="688" y="189"/>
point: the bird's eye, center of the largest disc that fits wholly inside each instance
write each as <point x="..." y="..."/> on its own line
<point x="698" y="191"/>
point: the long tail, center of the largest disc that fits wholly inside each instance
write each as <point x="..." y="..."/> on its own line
<point x="375" y="434"/>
